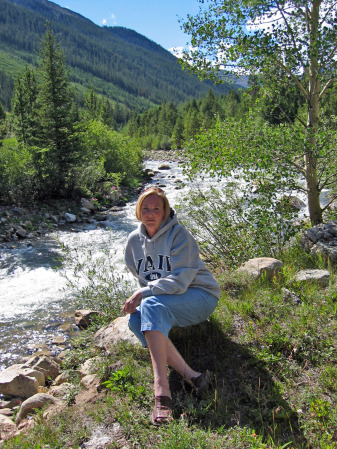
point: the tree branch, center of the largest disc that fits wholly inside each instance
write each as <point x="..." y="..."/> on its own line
<point x="332" y="200"/>
<point x="293" y="77"/>
<point x="325" y="88"/>
<point x="290" y="32"/>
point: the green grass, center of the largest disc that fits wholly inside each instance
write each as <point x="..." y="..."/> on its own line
<point x="275" y="376"/>
<point x="13" y="63"/>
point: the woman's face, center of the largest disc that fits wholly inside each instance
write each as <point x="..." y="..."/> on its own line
<point x="152" y="214"/>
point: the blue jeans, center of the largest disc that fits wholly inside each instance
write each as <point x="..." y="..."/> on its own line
<point x="162" y="312"/>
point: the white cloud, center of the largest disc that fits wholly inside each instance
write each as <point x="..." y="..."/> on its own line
<point x="113" y="18"/>
<point x="176" y="51"/>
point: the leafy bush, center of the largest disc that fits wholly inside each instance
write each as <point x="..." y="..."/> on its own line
<point x="122" y="381"/>
<point x="110" y="152"/>
<point x="17" y="172"/>
<point x="165" y="143"/>
<point x="95" y="283"/>
<point x="233" y="228"/>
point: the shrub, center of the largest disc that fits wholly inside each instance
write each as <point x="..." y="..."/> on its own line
<point x="17" y="172"/>
<point x="232" y="228"/>
<point x="116" y="153"/>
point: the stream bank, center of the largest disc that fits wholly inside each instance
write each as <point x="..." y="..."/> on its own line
<point x="36" y="306"/>
<point x="23" y="223"/>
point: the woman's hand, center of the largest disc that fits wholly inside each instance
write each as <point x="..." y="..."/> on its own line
<point x="132" y="302"/>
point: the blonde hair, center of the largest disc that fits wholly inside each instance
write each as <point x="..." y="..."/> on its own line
<point x="153" y="191"/>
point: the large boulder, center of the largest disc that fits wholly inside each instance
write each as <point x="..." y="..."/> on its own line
<point x="21" y="380"/>
<point x="87" y="205"/>
<point x="90" y="366"/>
<point x="113" y="333"/>
<point x="36" y="402"/>
<point x="63" y="391"/>
<point x="90" y="381"/>
<point x="46" y="365"/>
<point x="20" y="232"/>
<point x="261" y="266"/>
<point x="296" y="203"/>
<point x="321" y="240"/>
<point x="321" y="277"/>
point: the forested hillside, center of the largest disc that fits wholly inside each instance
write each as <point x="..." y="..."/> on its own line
<point x="167" y="126"/>
<point x="119" y="63"/>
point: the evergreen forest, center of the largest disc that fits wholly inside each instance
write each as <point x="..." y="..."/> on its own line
<point x="62" y="134"/>
<point x="51" y="147"/>
<point x="130" y="70"/>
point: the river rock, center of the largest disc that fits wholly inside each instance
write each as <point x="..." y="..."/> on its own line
<point x="7" y="428"/>
<point x="149" y="173"/>
<point x="63" y="391"/>
<point x="6" y="412"/>
<point x="296" y="203"/>
<point x="87" y="204"/>
<point x="113" y="333"/>
<point x="37" y="401"/>
<point x="48" y="366"/>
<point x="84" y="317"/>
<point x="164" y="167"/>
<point x="322" y="277"/>
<point x="85" y="211"/>
<point x="20" y="232"/>
<point x="90" y="366"/>
<point x="322" y="240"/>
<point x="261" y="266"/>
<point x="11" y="403"/>
<point x="21" y="381"/>
<point x="69" y="218"/>
<point x="291" y="297"/>
<point x="62" y="378"/>
<point x="89" y="381"/>
<point x="54" y="218"/>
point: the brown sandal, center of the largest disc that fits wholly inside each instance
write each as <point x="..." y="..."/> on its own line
<point x="201" y="383"/>
<point x="162" y="411"/>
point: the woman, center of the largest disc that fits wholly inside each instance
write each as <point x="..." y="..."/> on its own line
<point x="176" y="289"/>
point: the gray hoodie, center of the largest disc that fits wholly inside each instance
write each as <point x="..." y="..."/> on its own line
<point x="169" y="262"/>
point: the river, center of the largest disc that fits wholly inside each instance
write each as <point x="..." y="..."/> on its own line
<point x="35" y="303"/>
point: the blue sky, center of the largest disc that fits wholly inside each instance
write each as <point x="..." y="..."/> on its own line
<point x="158" y="20"/>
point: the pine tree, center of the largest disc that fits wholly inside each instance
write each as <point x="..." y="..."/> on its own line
<point x="106" y="113"/>
<point x="57" y="119"/>
<point x="178" y="133"/>
<point x="3" y="129"/>
<point x="91" y="104"/>
<point x="24" y="107"/>
<point x="2" y="112"/>
<point x="209" y="109"/>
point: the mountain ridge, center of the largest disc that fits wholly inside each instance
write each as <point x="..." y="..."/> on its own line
<point x="119" y="63"/>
